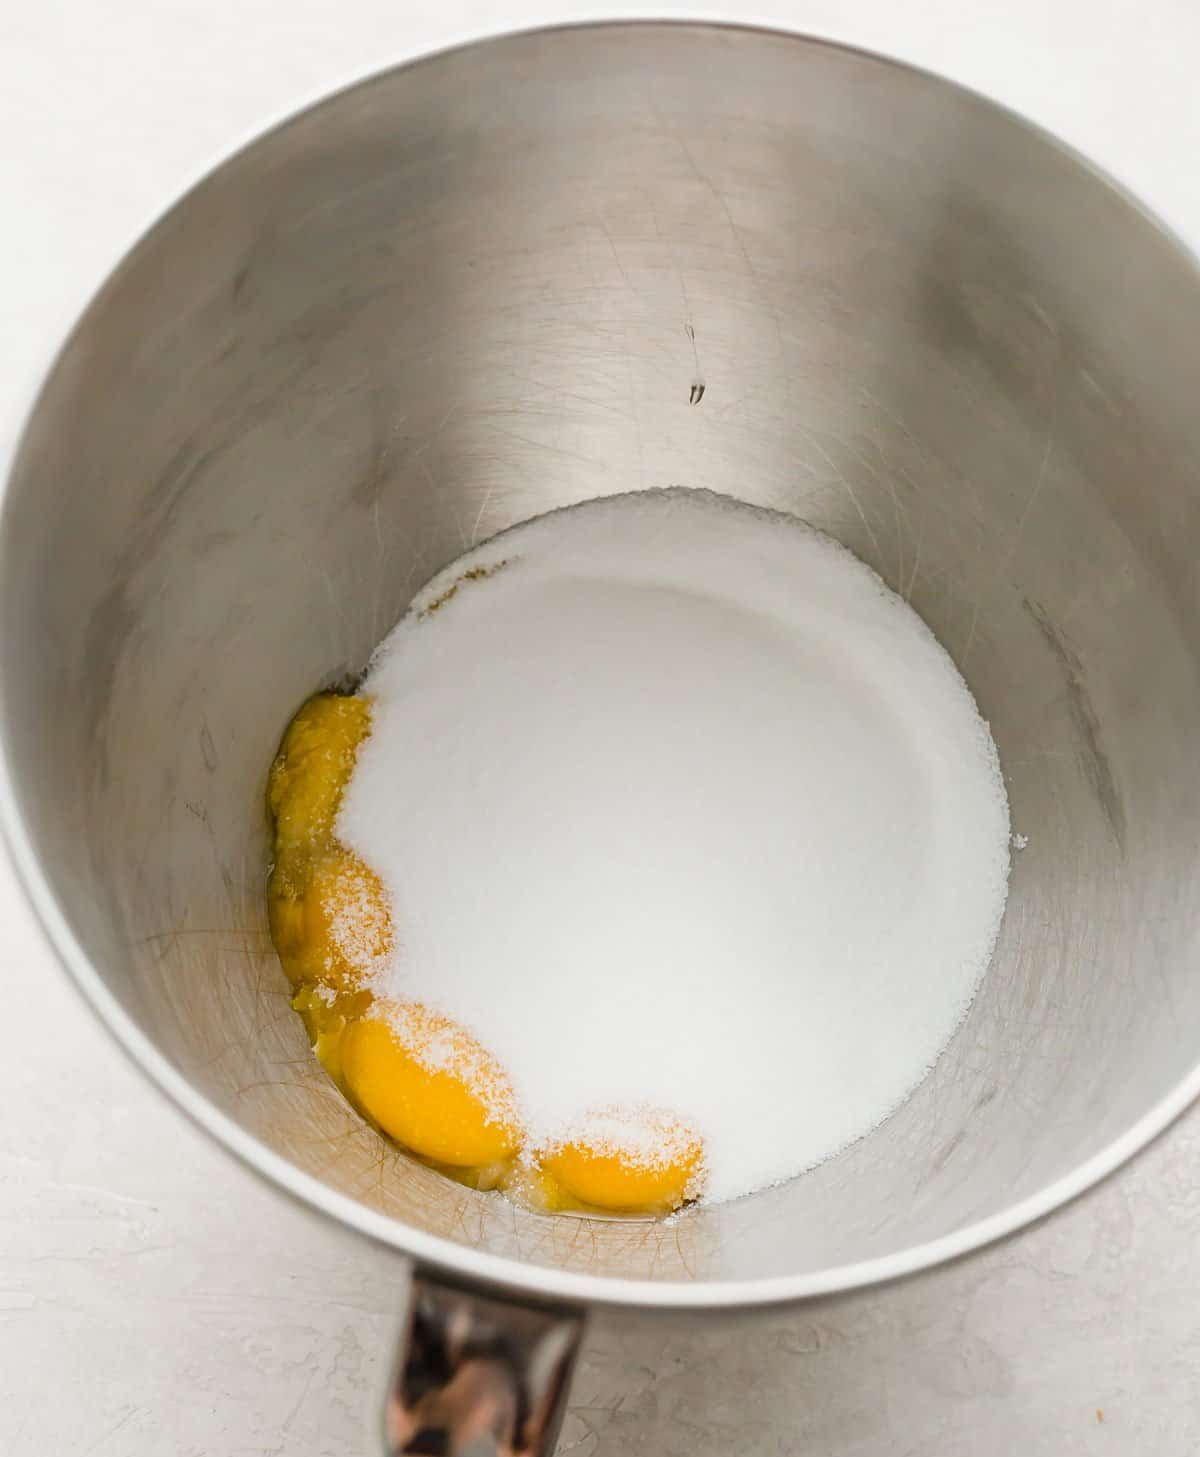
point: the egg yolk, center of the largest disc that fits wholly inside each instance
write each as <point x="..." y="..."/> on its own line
<point x="328" y="911"/>
<point x="428" y="1084"/>
<point x="639" y="1163"/>
<point x="312" y="769"/>
<point x="421" y="1078"/>
<point x="339" y="929"/>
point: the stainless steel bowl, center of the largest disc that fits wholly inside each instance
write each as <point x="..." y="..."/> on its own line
<point x="559" y="265"/>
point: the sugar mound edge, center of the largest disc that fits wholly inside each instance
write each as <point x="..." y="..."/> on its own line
<point x="679" y="807"/>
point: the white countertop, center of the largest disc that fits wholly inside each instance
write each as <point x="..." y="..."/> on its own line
<point x="153" y="1297"/>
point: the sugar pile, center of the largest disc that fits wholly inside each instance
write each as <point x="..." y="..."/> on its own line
<point x="678" y="806"/>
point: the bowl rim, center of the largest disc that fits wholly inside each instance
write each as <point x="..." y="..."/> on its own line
<point x="433" y="1252"/>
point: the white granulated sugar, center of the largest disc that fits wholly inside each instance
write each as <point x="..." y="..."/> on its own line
<point x="359" y="929"/>
<point x="679" y="807"/>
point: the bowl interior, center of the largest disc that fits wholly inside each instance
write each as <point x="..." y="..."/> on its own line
<point x="561" y="265"/>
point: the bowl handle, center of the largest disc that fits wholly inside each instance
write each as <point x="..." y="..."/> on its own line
<point x="478" y="1375"/>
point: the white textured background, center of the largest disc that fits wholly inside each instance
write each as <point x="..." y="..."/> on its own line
<point x="153" y="1298"/>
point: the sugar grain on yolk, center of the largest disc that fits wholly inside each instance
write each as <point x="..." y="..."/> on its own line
<point x="429" y="1085"/>
<point x="347" y="923"/>
<point x="628" y="1162"/>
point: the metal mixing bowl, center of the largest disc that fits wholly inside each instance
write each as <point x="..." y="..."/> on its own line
<point x="564" y="264"/>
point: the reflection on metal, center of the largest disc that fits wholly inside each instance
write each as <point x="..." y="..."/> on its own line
<point x="479" y="1378"/>
<point x="485" y="286"/>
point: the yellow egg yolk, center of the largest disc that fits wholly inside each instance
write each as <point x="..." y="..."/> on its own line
<point x="419" y="1076"/>
<point x="429" y="1084"/>
<point x="642" y="1162"/>
<point x="312" y="769"/>
<point x="339" y="929"/>
<point x="328" y="911"/>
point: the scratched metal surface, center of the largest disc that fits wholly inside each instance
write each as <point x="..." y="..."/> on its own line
<point x="494" y="283"/>
<point x="903" y="345"/>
